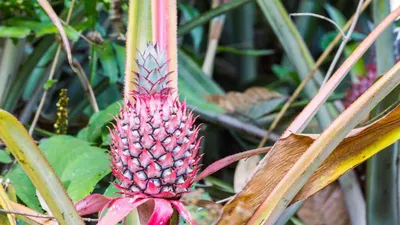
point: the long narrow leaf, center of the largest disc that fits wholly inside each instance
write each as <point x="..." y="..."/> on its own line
<point x="21" y="145"/>
<point x="131" y="47"/>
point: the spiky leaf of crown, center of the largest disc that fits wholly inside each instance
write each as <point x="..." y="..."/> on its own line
<point x="152" y="75"/>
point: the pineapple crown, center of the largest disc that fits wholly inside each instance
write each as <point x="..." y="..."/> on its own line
<point x="152" y="75"/>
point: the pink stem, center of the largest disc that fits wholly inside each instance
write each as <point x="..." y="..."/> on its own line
<point x="161" y="19"/>
<point x="222" y="163"/>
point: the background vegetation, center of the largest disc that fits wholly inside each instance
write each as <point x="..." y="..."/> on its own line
<point x="239" y="63"/>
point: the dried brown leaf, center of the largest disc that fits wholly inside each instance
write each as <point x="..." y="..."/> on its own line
<point x="358" y="146"/>
<point x="234" y="101"/>
<point x="244" y="170"/>
<point x="327" y="207"/>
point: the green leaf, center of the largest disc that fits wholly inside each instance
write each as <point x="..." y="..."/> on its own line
<point x="49" y="83"/>
<point x="108" y="61"/>
<point x="24" y="188"/>
<point x="91" y="12"/>
<point x="83" y="176"/>
<point x="39" y="71"/>
<point x="205" y="17"/>
<point x="336" y="15"/>
<point x="189" y="13"/>
<point x="120" y="52"/>
<point x="69" y="158"/>
<point x="328" y="37"/>
<point x="83" y="134"/>
<point x="194" y="85"/>
<point x="296" y="221"/>
<point x="111" y="191"/>
<point x="192" y="74"/>
<point x="285" y="73"/>
<point x="5" y="157"/>
<point x="14" y="32"/>
<point x="51" y="29"/>
<point x="249" y="52"/>
<point x="31" y="24"/>
<point x="100" y="119"/>
<point x="359" y="68"/>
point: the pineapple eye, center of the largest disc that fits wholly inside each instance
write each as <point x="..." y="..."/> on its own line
<point x="176" y="149"/>
<point x="178" y="163"/>
<point x="156" y="182"/>
<point x="166" y="172"/>
<point x="142" y="175"/>
<point x="128" y="174"/>
<point x="180" y="180"/>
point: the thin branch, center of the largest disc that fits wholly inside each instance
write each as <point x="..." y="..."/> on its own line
<point x="343" y="44"/>
<point x="225" y="200"/>
<point x="323" y="18"/>
<point x="86" y="85"/>
<point x="38" y="215"/>
<point x="51" y="75"/>
<point x="319" y="62"/>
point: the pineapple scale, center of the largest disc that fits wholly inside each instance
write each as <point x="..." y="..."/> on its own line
<point x="155" y="147"/>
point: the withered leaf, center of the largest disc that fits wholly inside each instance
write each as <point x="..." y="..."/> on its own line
<point x="254" y="102"/>
<point x="358" y="146"/>
<point x="326" y="207"/>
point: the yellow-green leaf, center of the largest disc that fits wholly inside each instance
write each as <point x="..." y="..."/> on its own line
<point x="5" y="204"/>
<point x="31" y="159"/>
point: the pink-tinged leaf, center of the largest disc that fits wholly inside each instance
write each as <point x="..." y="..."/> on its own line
<point x="162" y="212"/>
<point x="54" y="18"/>
<point x="145" y="211"/>
<point x="222" y="163"/>
<point x="120" y="209"/>
<point x="183" y="212"/>
<point x="91" y="204"/>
